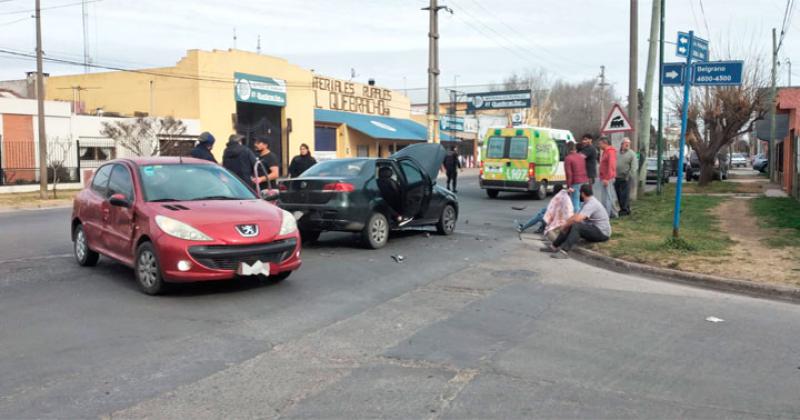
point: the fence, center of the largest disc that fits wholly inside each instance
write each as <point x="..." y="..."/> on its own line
<point x="19" y="160"/>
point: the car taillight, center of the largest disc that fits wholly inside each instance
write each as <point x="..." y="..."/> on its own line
<point x="481" y="172"/>
<point x="531" y="170"/>
<point x="339" y="187"/>
<point x="282" y="187"/>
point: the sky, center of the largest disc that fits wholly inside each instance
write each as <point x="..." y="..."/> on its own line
<point x="481" y="42"/>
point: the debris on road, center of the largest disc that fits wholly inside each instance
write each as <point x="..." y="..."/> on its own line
<point x="519" y="207"/>
<point x="714" y="319"/>
<point x="398" y="258"/>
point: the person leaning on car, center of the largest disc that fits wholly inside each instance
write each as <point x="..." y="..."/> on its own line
<point x="238" y="158"/>
<point x="270" y="162"/>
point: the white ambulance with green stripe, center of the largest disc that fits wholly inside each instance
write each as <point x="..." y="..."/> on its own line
<point x="523" y="159"/>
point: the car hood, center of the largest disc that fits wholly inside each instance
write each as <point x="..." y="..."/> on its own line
<point x="219" y="218"/>
<point x="429" y="156"/>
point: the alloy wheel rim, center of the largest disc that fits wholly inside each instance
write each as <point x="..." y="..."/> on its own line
<point x="80" y="245"/>
<point x="148" y="270"/>
<point x="378" y="230"/>
<point x="449" y="219"/>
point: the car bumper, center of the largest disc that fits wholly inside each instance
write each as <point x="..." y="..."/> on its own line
<point x="326" y="218"/>
<point x="217" y="261"/>
<point x="531" y="185"/>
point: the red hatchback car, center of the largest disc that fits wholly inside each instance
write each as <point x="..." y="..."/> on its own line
<point x="181" y="220"/>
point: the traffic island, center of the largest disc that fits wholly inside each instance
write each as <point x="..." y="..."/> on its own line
<point x="742" y="242"/>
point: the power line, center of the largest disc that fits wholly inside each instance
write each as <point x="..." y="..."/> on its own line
<point x="59" y="6"/>
<point x="705" y="19"/>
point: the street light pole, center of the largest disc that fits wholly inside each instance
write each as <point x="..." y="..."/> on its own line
<point x="660" y="157"/>
<point x="773" y="92"/>
<point x="40" y="106"/>
<point x="433" y="69"/>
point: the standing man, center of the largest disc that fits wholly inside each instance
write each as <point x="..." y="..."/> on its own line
<point x="203" y="148"/>
<point x="608" y="173"/>
<point x="588" y="150"/>
<point x="239" y="159"/>
<point x="575" y="167"/>
<point x="626" y="165"/>
<point x="270" y="162"/>
<point x="451" y="166"/>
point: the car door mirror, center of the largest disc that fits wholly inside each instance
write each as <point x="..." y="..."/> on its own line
<point x="119" y="200"/>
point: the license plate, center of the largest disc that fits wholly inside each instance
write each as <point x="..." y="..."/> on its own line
<point x="254" y="269"/>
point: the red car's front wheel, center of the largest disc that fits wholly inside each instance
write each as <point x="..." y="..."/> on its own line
<point x="148" y="270"/>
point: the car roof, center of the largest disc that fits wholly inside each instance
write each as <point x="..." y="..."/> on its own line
<point x="163" y="160"/>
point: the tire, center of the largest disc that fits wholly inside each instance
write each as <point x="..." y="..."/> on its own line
<point x="376" y="233"/>
<point x="148" y="270"/>
<point x="492" y="193"/>
<point x="447" y="221"/>
<point x="541" y="192"/>
<point x="80" y="248"/>
<point x="309" y="236"/>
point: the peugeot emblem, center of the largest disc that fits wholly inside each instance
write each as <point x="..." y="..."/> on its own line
<point x="248" y="231"/>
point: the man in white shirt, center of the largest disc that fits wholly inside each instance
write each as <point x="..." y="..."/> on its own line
<point x="591" y="224"/>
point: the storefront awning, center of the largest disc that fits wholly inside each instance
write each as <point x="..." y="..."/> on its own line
<point x="382" y="128"/>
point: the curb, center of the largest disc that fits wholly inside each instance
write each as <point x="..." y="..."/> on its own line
<point x="706" y="281"/>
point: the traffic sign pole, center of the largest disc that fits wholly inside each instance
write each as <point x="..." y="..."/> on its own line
<point x="676" y="221"/>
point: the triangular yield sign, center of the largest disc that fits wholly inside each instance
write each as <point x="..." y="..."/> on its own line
<point x="617" y="121"/>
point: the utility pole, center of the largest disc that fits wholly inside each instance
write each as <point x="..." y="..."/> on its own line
<point x="633" y="76"/>
<point x="85" y="19"/>
<point x="433" y="69"/>
<point x="234" y="38"/>
<point x="660" y="157"/>
<point x="40" y="106"/>
<point x="789" y="72"/>
<point x="772" y="96"/>
<point x="603" y="85"/>
<point x="644" y="134"/>
<point x="258" y="45"/>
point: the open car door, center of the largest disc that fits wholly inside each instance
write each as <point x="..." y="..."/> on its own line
<point x="417" y="188"/>
<point x="427" y="156"/>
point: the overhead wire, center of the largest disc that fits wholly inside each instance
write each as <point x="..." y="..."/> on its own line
<point x="59" y="6"/>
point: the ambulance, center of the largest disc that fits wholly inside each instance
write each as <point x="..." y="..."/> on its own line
<point x="523" y="159"/>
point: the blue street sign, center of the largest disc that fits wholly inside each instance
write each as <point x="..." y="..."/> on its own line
<point x="673" y="73"/>
<point x="699" y="47"/>
<point x="717" y="73"/>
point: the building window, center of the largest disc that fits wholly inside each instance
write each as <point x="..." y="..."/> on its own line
<point x="98" y="153"/>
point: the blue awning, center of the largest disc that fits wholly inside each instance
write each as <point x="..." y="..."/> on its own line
<point x="377" y="127"/>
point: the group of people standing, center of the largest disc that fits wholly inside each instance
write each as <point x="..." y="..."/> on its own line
<point x="241" y="160"/>
<point x="576" y="213"/>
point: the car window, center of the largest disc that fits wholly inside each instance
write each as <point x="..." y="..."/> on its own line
<point x="518" y="148"/>
<point x="100" y="179"/>
<point x="121" y="182"/>
<point x="337" y="168"/>
<point x="187" y="182"/>
<point x="413" y="175"/>
<point x="495" y="148"/>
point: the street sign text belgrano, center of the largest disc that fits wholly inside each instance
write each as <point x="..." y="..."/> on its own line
<point x="259" y="89"/>
<point x="717" y="73"/>
<point x="498" y="100"/>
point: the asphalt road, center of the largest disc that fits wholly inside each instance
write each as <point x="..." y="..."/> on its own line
<point x="478" y="324"/>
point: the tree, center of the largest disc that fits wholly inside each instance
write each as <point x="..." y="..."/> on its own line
<point x="720" y="115"/>
<point x="145" y="136"/>
<point x="537" y="81"/>
<point x="577" y="107"/>
<point x="57" y="154"/>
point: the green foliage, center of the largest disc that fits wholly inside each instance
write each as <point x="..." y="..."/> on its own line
<point x="781" y="214"/>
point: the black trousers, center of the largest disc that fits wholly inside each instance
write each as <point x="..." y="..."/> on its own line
<point x="623" y="189"/>
<point x="570" y="236"/>
<point x="452" y="176"/>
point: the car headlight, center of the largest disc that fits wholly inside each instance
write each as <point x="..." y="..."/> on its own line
<point x="179" y="229"/>
<point x="288" y="224"/>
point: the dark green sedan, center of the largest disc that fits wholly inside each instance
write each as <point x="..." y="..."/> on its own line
<point x="372" y="196"/>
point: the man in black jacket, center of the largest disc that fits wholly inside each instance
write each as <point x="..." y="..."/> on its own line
<point x="239" y="159"/>
<point x="203" y="148"/>
<point x="451" y="166"/>
<point x="592" y="156"/>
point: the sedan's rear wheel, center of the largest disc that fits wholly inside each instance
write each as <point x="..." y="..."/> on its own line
<point x="309" y="236"/>
<point x="447" y="221"/>
<point x="85" y="256"/>
<point x="148" y="270"/>
<point x="376" y="232"/>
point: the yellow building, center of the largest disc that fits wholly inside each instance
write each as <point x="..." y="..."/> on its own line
<point x="255" y="95"/>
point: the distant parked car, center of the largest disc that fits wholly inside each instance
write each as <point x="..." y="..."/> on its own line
<point x="720" y="167"/>
<point x="739" y="160"/>
<point x="760" y="163"/>
<point x="652" y="170"/>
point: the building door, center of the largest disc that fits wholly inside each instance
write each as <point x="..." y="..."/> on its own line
<point x="324" y="143"/>
<point x="259" y="120"/>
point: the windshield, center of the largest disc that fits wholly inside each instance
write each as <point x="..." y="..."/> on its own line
<point x="337" y="169"/>
<point x="187" y="182"/>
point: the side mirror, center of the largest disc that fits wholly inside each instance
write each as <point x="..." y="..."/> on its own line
<point x="270" y="195"/>
<point x="119" y="200"/>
